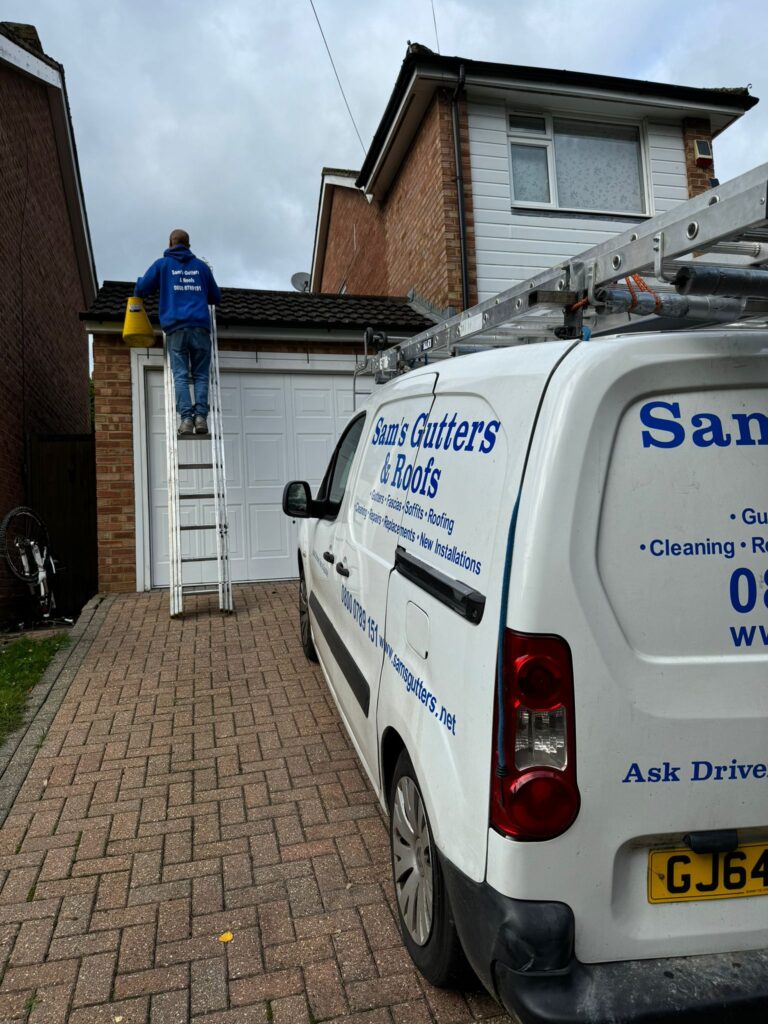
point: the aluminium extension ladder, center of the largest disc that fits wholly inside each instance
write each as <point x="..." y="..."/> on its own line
<point x="198" y="454"/>
<point x="707" y="259"/>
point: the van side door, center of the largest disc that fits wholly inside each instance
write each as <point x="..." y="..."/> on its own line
<point x="364" y="543"/>
<point x="437" y="681"/>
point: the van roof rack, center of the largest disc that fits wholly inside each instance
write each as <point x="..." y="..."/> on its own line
<point x="704" y="261"/>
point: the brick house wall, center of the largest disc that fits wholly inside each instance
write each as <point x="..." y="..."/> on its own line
<point x="698" y="177"/>
<point x="411" y="239"/>
<point x="44" y="353"/>
<point x="356" y="247"/>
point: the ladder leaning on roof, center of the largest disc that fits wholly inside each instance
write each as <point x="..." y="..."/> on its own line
<point x="706" y="257"/>
<point x="180" y="452"/>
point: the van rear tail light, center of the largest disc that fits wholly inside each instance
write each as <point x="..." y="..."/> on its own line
<point x="534" y="794"/>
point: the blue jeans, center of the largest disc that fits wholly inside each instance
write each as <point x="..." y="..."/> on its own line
<point x="190" y="354"/>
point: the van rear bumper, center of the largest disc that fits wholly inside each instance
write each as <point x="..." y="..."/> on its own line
<point x="522" y="951"/>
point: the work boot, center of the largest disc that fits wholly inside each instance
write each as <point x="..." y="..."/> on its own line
<point x="186" y="426"/>
<point x="201" y="425"/>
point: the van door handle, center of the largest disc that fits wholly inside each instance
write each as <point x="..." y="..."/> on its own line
<point x="341" y="570"/>
<point x="328" y="557"/>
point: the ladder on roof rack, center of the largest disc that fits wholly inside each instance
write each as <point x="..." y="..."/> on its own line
<point x="200" y="497"/>
<point x="675" y="250"/>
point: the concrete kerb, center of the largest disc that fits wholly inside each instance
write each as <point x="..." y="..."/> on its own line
<point x="19" y="750"/>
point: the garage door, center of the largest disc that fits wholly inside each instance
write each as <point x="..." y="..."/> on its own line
<point x="277" y="427"/>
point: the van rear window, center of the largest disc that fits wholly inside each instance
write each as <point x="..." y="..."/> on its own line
<point x="683" y="535"/>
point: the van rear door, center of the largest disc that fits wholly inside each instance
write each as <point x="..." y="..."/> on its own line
<point x="642" y="541"/>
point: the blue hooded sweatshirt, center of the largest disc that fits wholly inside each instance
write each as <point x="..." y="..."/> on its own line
<point x="186" y="287"/>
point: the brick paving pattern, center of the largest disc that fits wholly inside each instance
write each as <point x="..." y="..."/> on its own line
<point x="195" y="782"/>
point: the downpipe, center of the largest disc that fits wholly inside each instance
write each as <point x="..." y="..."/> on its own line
<point x="460" y="187"/>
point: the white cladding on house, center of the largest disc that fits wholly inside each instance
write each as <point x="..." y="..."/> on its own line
<point x="511" y="247"/>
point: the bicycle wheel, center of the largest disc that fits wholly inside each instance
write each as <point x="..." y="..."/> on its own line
<point x="20" y="531"/>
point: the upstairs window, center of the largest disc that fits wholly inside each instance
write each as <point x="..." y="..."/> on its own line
<point x="571" y="164"/>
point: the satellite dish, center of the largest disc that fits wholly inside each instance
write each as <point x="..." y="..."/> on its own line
<point x="300" y="281"/>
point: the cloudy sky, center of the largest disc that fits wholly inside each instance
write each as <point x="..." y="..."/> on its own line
<point x="218" y="116"/>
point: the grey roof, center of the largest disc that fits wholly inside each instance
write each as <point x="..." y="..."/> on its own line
<point x="250" y="307"/>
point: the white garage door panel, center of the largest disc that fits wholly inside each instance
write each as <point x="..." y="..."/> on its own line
<point x="344" y="404"/>
<point x="266" y="462"/>
<point x="277" y="427"/>
<point x="267" y="529"/>
<point x="317" y="425"/>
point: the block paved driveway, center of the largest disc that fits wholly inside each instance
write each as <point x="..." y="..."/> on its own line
<point x="197" y="781"/>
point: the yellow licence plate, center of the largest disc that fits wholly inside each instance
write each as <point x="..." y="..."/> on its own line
<point x="675" y="876"/>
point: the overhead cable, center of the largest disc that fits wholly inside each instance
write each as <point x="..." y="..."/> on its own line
<point x="434" y="22"/>
<point x="341" y="87"/>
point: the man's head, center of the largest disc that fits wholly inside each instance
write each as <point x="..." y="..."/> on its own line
<point x="178" y="237"/>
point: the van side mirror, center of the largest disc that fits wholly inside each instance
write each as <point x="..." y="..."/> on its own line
<point x="297" y="501"/>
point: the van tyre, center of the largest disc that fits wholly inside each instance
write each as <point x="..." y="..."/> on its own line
<point x="305" y="630"/>
<point x="423" y="909"/>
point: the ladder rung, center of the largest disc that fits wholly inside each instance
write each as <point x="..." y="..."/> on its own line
<point x="194" y="589"/>
<point x="195" y="465"/>
<point x="203" y="526"/>
<point x="201" y="558"/>
<point x="194" y="437"/>
<point x="188" y="497"/>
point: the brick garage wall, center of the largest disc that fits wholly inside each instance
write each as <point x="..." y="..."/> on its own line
<point x="410" y="240"/>
<point x="114" y="464"/>
<point x="115" y="479"/>
<point x="43" y="348"/>
<point x="698" y="177"/>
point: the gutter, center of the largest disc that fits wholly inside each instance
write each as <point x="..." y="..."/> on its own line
<point x="295" y="335"/>
<point x="460" y="188"/>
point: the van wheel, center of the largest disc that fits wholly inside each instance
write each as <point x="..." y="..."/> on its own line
<point x="426" y="920"/>
<point x="305" y="631"/>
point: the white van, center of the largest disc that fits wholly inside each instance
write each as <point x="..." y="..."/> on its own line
<point x="536" y="581"/>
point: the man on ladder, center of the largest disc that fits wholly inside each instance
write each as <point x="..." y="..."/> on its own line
<point x="188" y="297"/>
<point x="187" y="288"/>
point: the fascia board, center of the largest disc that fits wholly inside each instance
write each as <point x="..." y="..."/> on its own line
<point x="21" y="59"/>
<point x="73" y="191"/>
<point x="416" y="99"/>
<point x="321" y="237"/>
<point x="722" y="114"/>
<point x="341" y="180"/>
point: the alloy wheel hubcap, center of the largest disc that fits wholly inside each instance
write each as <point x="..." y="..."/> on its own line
<point x="412" y="860"/>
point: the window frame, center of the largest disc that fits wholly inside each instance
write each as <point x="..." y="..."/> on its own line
<point x="546" y="139"/>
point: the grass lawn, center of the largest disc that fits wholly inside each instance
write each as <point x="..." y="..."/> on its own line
<point x="22" y="664"/>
